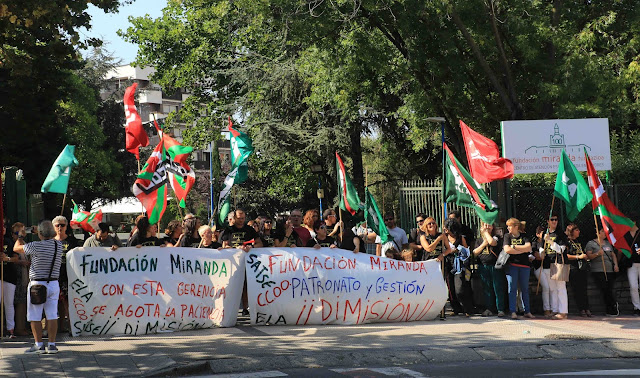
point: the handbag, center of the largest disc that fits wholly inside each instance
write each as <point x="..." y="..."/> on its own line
<point x="38" y="292"/>
<point x="503" y="257"/>
<point x="560" y="271"/>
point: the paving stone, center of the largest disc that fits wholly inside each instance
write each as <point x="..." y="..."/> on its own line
<point x="580" y="350"/>
<point x="514" y="352"/>
<point x="153" y="362"/>
<point x="445" y="354"/>
<point x="230" y="365"/>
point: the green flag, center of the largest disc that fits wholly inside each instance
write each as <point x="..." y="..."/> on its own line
<point x="374" y="218"/>
<point x="241" y="148"/>
<point x="57" y="180"/>
<point x="571" y="187"/>
<point x="462" y="189"/>
<point x="349" y="200"/>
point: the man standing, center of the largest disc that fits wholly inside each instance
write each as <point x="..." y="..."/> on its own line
<point x="414" y="237"/>
<point x="46" y="258"/>
<point x="238" y="234"/>
<point x="296" y="220"/>
<point x="102" y="238"/>
<point x="399" y="240"/>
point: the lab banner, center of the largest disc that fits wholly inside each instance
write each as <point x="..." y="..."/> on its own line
<point x="141" y="291"/>
<point x="301" y="286"/>
<point x="535" y="146"/>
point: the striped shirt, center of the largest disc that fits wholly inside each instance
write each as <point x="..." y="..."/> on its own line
<point x="41" y="254"/>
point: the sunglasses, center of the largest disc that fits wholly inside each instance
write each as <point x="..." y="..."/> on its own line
<point x="61" y="225"/>
<point x="553" y="219"/>
<point x="420" y="220"/>
<point x="267" y="222"/>
<point x="430" y="223"/>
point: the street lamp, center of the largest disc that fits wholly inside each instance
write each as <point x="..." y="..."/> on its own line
<point x="317" y="168"/>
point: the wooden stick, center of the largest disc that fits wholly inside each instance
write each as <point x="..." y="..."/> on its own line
<point x="604" y="269"/>
<point x="2" y="297"/>
<point x="341" y="225"/>
<point x="553" y="200"/>
<point x="63" y="201"/>
<point x="179" y="208"/>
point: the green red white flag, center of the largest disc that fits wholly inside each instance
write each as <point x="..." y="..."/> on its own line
<point x="615" y="224"/>
<point x="241" y="148"/>
<point x="349" y="200"/>
<point x="88" y="221"/>
<point x="462" y="189"/>
<point x="167" y="164"/>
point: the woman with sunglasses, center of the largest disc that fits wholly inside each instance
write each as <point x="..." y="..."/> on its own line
<point x="488" y="247"/>
<point x="579" y="272"/>
<point x="430" y="240"/>
<point x="555" y="246"/>
<point x="321" y="239"/>
<point x="265" y="226"/>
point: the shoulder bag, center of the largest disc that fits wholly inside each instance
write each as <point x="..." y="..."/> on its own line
<point x="38" y="292"/>
<point x="560" y="271"/>
<point x="503" y="257"/>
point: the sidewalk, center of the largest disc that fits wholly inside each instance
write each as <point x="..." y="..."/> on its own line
<point x="245" y="348"/>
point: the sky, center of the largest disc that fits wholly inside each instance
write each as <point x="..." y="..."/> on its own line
<point x="105" y="26"/>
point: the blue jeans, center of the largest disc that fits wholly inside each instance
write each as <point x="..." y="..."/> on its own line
<point x="518" y="276"/>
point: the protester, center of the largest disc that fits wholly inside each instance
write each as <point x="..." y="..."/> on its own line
<point x="143" y="237"/>
<point x="414" y="237"/>
<point x="579" y="273"/>
<point x="309" y="219"/>
<point x="457" y="247"/>
<point x="190" y="228"/>
<point x="18" y="233"/>
<point x="467" y="232"/>
<point x="487" y="249"/>
<point x="238" y="235"/>
<point x="518" y="269"/>
<point x="9" y="261"/>
<point x="430" y="240"/>
<point x="69" y="242"/>
<point x="321" y="239"/>
<point x="367" y="235"/>
<point x="254" y="224"/>
<point x="302" y="232"/>
<point x="541" y="269"/>
<point x="332" y="222"/>
<point x="102" y="238"/>
<point x="231" y="218"/>
<point x="399" y="241"/>
<point x="633" y="274"/>
<point x="265" y="228"/>
<point x="349" y="239"/>
<point x="599" y="250"/>
<point x="174" y="233"/>
<point x="46" y="259"/>
<point x="555" y="251"/>
<point x="207" y="237"/>
<point x="286" y="235"/>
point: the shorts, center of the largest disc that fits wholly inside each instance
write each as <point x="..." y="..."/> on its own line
<point x="50" y="307"/>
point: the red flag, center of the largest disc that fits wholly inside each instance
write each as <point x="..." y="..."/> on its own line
<point x="615" y="224"/>
<point x="136" y="136"/>
<point x="485" y="163"/>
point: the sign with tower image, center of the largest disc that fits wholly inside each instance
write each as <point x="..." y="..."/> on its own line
<point x="535" y="146"/>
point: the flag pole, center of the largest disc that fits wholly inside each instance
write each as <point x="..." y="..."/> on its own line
<point x="604" y="269"/>
<point x="341" y="224"/>
<point x="1" y="269"/>
<point x="63" y="201"/>
<point x="553" y="200"/>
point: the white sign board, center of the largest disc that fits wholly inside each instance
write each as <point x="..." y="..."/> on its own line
<point x="536" y="146"/>
<point x="140" y="291"/>
<point x="300" y="286"/>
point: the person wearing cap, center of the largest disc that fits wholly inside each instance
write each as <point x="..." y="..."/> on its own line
<point x="102" y="238"/>
<point x="69" y="242"/>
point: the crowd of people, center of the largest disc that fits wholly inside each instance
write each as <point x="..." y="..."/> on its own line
<point x="504" y="263"/>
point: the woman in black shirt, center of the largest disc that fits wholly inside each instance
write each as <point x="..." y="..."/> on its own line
<point x="488" y="247"/>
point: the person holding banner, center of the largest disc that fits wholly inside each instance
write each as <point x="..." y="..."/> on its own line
<point x="286" y="235"/>
<point x="321" y="239"/>
<point x="102" y="238"/>
<point x="265" y="227"/>
<point x="46" y="259"/>
<point x="190" y="227"/>
<point x="604" y="274"/>
<point x="174" y="233"/>
<point x="240" y="235"/>
<point x="206" y="235"/>
<point x="518" y="246"/>
<point x="143" y="236"/>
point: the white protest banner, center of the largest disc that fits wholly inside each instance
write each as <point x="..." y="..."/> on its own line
<point x="140" y="291"/>
<point x="333" y="286"/>
<point x="536" y="146"/>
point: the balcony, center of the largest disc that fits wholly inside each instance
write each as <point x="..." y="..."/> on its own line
<point x="150" y="96"/>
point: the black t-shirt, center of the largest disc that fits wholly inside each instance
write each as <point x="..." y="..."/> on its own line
<point x="169" y="240"/>
<point x="237" y="236"/>
<point x="191" y="241"/>
<point x="635" y="257"/>
<point x="550" y="255"/>
<point x="327" y="242"/>
<point x="292" y="239"/>
<point x="575" y="248"/>
<point x="213" y="245"/>
<point x="10" y="268"/>
<point x="347" y="241"/>
<point x="489" y="254"/>
<point x="521" y="258"/>
<point x="267" y="240"/>
<point x="67" y="244"/>
<point x="145" y="242"/>
<point x="430" y="239"/>
<point x="535" y="247"/>
<point x="469" y="235"/>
